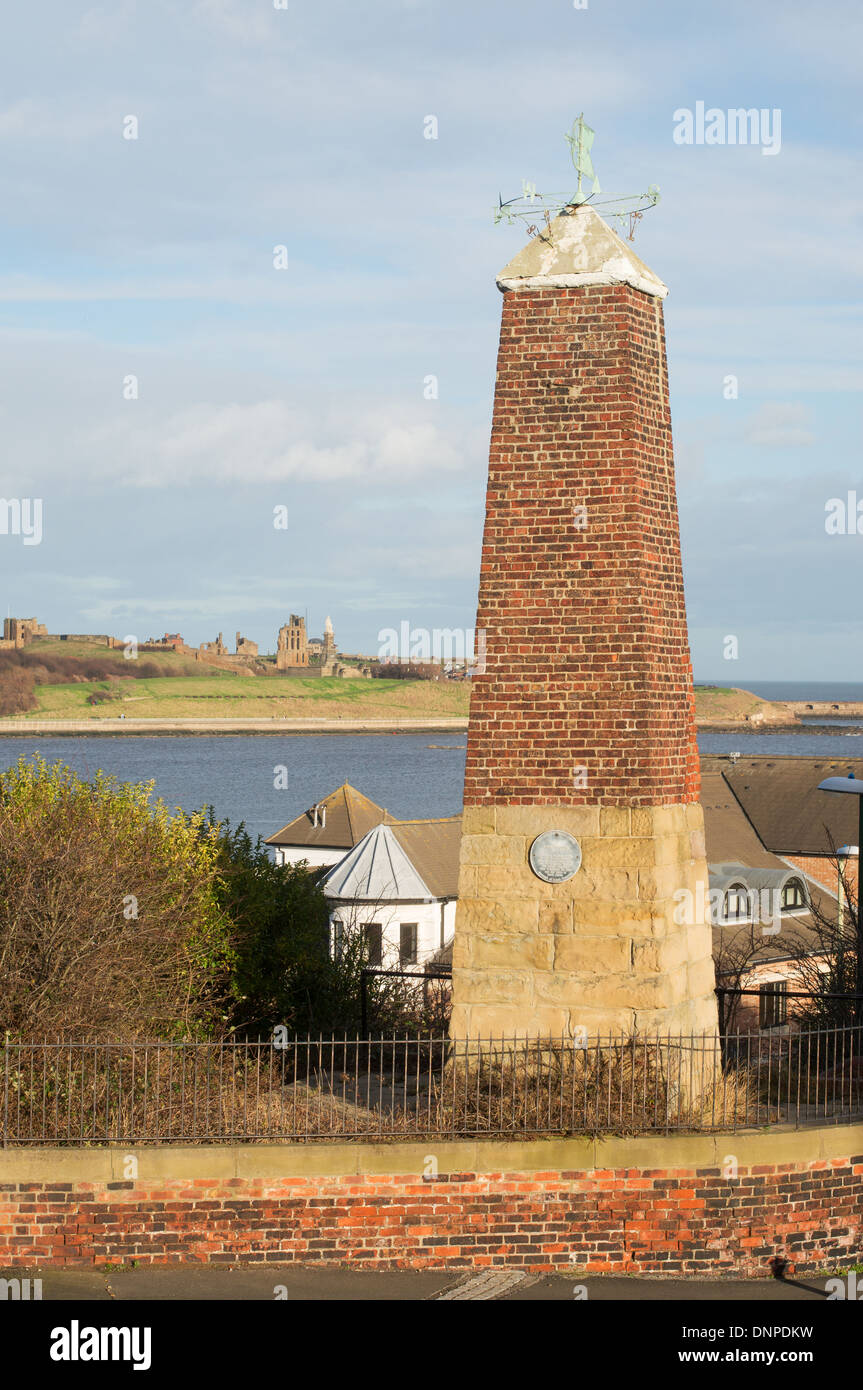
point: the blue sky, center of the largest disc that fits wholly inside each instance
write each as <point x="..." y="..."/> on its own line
<point x="304" y="387"/>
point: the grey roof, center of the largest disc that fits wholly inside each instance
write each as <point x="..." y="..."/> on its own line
<point x="781" y="800"/>
<point x="376" y="870"/>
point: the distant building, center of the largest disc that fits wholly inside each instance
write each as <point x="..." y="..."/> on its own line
<point x="245" y="646"/>
<point x="329" y="652"/>
<point x="293" y="648"/>
<point x="17" y="632"/>
<point x="323" y="649"/>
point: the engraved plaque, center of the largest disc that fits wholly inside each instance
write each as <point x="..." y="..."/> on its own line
<point x="555" y="856"/>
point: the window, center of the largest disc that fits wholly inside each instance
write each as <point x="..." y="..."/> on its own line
<point x="793" y="896"/>
<point x="737" y="904"/>
<point x="408" y="943"/>
<point x="773" y="1004"/>
<point x="374" y="942"/>
<point x="338" y="939"/>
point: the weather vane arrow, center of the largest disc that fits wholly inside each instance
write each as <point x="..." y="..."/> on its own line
<point x="627" y="207"/>
<point x="580" y="141"/>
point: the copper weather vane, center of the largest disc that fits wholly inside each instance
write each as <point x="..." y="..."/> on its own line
<point x="624" y="208"/>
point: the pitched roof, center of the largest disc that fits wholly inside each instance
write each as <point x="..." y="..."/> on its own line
<point x="729" y="836"/>
<point x="730" y="839"/>
<point x="376" y="870"/>
<point x="349" y="816"/>
<point x="408" y="860"/>
<point x="782" y="803"/>
<point x="579" y="248"/>
<point x="433" y="848"/>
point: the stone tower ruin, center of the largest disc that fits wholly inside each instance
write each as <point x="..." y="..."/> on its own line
<point x="583" y="835"/>
<point x="292" y="649"/>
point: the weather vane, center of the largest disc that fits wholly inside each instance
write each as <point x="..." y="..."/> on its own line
<point x="627" y="208"/>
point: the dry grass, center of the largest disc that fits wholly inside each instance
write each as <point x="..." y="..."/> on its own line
<point x="209" y="1093"/>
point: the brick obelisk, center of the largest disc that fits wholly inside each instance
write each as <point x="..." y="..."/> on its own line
<point x="582" y="722"/>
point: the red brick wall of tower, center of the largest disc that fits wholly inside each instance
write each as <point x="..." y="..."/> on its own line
<point x="586" y="647"/>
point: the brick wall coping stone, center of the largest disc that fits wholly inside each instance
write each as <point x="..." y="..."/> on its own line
<point x="668" y="1153"/>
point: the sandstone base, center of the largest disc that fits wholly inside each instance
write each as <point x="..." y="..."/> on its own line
<point x="601" y="953"/>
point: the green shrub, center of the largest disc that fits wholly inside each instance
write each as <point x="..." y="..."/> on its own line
<point x="111" y="922"/>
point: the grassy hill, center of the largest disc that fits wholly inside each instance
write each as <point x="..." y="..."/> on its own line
<point x="168" y="661"/>
<point x="189" y="690"/>
<point x="220" y="695"/>
<point x="716" y="704"/>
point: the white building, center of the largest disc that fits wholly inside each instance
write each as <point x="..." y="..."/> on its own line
<point x="399" y="886"/>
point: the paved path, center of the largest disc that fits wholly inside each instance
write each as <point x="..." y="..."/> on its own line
<point x="431" y="725"/>
<point x="303" y="1285"/>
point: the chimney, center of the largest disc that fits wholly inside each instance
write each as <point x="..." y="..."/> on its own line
<point x="581" y="816"/>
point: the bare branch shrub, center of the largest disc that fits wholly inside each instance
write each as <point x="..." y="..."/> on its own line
<point x="109" y="917"/>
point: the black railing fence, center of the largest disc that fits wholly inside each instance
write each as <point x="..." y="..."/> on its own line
<point x="291" y="1089"/>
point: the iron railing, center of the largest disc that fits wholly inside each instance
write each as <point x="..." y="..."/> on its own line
<point x="284" y="1089"/>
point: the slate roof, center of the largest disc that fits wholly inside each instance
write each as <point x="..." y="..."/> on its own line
<point x="730" y="838"/>
<point x="729" y="835"/>
<point x="433" y="847"/>
<point x="350" y="816"/>
<point x="781" y="801"/>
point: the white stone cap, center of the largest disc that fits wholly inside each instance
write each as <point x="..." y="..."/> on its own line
<point x="578" y="249"/>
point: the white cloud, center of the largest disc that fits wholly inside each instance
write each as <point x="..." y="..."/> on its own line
<point x="780" y="425"/>
<point x="265" y="442"/>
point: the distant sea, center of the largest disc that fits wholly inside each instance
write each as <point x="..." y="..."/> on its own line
<point x="795" y="690"/>
<point x="413" y="775"/>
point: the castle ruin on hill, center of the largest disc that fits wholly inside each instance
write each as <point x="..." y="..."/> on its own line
<point x="296" y="654"/>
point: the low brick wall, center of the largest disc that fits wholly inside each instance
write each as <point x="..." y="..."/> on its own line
<point x="586" y="1206"/>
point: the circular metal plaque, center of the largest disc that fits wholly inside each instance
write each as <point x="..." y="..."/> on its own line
<point x="555" y="856"/>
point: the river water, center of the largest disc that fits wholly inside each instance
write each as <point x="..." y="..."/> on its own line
<point x="241" y="776"/>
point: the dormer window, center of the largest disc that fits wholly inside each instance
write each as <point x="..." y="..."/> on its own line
<point x="793" y="896"/>
<point x="756" y="895"/>
<point x="737" y="906"/>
